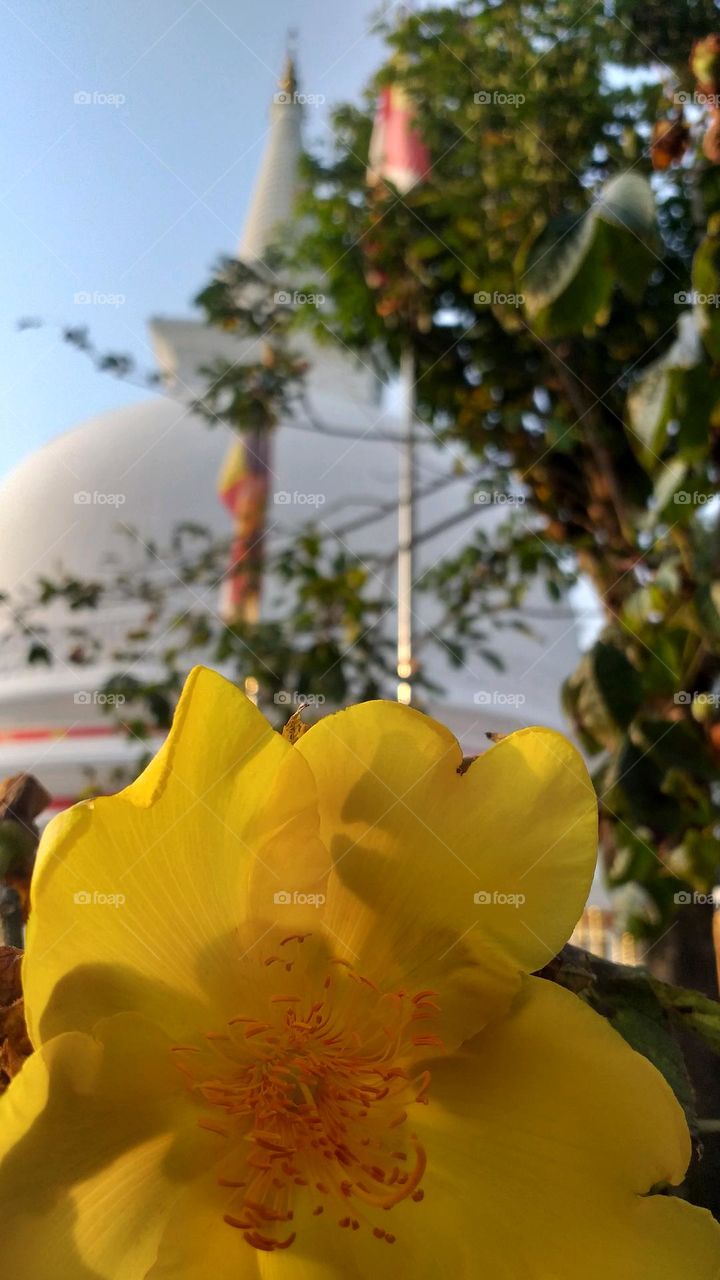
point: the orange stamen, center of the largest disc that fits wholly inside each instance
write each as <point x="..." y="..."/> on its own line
<point x="320" y="1091"/>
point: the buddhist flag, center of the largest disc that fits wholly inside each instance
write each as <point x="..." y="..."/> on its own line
<point x="397" y="152"/>
<point x="243" y="488"/>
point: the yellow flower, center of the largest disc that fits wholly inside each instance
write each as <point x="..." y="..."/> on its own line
<point x="283" y="1024"/>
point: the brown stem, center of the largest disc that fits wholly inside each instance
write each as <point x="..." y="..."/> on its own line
<point x="586" y="410"/>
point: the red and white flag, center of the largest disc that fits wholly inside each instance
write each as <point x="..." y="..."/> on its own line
<point x="397" y="152"/>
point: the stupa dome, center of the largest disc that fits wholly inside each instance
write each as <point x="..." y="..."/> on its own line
<point x="93" y="499"/>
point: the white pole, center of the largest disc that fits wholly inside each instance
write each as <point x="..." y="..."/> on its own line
<point x="406" y="526"/>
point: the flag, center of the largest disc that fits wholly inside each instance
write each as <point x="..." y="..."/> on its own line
<point x="243" y="488"/>
<point x="397" y="152"/>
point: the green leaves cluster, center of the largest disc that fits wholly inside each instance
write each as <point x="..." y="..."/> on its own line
<point x="573" y="267"/>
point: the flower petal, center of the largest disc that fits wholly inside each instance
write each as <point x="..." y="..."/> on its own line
<point x="198" y="1244"/>
<point x="543" y="1138"/>
<point x="98" y="1138"/>
<point x="486" y="872"/>
<point x="147" y="887"/>
<point x="547" y="1134"/>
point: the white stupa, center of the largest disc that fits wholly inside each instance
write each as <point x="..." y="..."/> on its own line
<point x="67" y="508"/>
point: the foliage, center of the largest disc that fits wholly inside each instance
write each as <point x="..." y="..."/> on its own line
<point x="598" y="393"/>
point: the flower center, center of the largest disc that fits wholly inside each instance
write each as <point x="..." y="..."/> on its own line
<point x="312" y="1092"/>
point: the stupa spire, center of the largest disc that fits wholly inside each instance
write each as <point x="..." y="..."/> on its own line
<point x="277" y="181"/>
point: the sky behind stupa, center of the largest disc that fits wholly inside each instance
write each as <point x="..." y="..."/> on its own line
<point x="132" y="136"/>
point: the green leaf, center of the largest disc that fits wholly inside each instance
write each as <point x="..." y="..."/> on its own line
<point x="17" y="847"/>
<point x="662" y="394"/>
<point x="39" y="653"/>
<point x="618" y="683"/>
<point x="650" y="405"/>
<point x="697" y="402"/>
<point x="493" y="659"/>
<point x="692" y="1011"/>
<point x="668" y="484"/>
<point x="635" y="788"/>
<point x="564" y="282"/>
<point x="676" y="743"/>
<point x="627" y="205"/>
<point x="603" y="695"/>
<point x="569" y="272"/>
<point x="427" y="247"/>
<point x="626" y="201"/>
<point x="706" y="283"/>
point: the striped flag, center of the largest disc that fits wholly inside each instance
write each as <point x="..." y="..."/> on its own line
<point x="243" y="486"/>
<point x="397" y="152"/>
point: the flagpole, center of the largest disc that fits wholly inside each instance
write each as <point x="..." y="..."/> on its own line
<point x="406" y="528"/>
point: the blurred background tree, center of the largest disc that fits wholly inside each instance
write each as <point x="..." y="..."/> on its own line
<point x="572" y="169"/>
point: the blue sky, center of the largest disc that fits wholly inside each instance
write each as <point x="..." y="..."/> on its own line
<point x="136" y="192"/>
